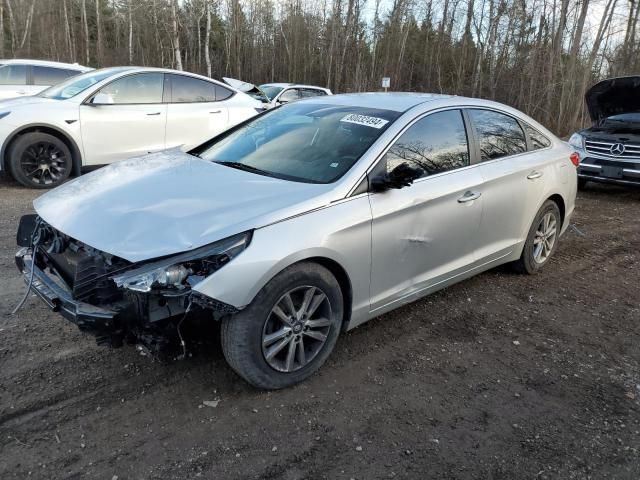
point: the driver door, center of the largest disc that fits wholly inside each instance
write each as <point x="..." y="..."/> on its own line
<point x="126" y="118"/>
<point x="425" y="233"/>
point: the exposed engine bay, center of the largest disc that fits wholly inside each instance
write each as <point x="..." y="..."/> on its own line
<point x="621" y="128"/>
<point x="119" y="301"/>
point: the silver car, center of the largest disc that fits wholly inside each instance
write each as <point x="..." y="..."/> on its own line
<point x="300" y="224"/>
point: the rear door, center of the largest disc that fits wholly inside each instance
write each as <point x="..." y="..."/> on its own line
<point x="513" y="181"/>
<point x="196" y="110"/>
<point x="125" y="118"/>
<point x="427" y="232"/>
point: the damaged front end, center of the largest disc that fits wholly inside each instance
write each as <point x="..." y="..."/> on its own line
<point x="113" y="299"/>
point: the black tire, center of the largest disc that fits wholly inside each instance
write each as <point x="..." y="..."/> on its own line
<point x="582" y="183"/>
<point x="39" y="160"/>
<point x="242" y="334"/>
<point x="527" y="262"/>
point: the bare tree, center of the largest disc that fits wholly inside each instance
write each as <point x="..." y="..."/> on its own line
<point x="176" y="35"/>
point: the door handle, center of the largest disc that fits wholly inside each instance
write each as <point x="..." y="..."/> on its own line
<point x="533" y="175"/>
<point x="152" y="114"/>
<point x="21" y="92"/>
<point x="469" y="196"/>
<point x="215" y="111"/>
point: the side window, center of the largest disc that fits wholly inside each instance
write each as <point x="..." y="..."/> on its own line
<point x="190" y="90"/>
<point x="13" y="75"/>
<point x="141" y="88"/>
<point x="290" y="95"/>
<point x="538" y="140"/>
<point x="50" y="75"/>
<point x="436" y="143"/>
<point x="312" y="92"/>
<point x="499" y="135"/>
<point x="223" y="93"/>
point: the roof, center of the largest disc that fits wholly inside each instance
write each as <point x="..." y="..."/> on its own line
<point x="44" y="63"/>
<point x="399" y="102"/>
<point x="297" y="85"/>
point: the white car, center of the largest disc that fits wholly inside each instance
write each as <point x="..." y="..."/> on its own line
<point x="281" y="93"/>
<point x="29" y="77"/>
<point x="110" y="114"/>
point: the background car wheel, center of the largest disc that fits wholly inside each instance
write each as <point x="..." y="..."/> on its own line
<point x="542" y="239"/>
<point x="582" y="182"/>
<point x="40" y="160"/>
<point x="289" y="329"/>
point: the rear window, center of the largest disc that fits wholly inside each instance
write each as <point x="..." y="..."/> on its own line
<point x="223" y="93"/>
<point x="499" y="135"/>
<point x="191" y="90"/>
<point x="538" y="140"/>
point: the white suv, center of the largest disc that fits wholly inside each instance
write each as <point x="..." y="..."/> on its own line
<point x="111" y="114"/>
<point x="29" y="77"/>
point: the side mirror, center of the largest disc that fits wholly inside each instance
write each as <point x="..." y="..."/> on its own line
<point x="401" y="176"/>
<point x="101" y="98"/>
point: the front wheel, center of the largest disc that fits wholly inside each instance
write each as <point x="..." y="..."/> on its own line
<point x="40" y="160"/>
<point x="289" y="329"/>
<point x="542" y="239"/>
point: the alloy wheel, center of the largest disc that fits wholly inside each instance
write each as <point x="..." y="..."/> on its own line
<point x="545" y="238"/>
<point x="43" y="163"/>
<point x="296" y="329"/>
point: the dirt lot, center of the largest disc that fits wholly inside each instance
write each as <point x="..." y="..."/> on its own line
<point x="500" y="377"/>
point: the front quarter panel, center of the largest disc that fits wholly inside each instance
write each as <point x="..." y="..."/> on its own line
<point x="340" y="232"/>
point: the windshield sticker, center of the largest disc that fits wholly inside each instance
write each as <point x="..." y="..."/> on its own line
<point x="334" y="164"/>
<point x="365" y="120"/>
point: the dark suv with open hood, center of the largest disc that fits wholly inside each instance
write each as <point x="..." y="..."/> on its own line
<point x="610" y="149"/>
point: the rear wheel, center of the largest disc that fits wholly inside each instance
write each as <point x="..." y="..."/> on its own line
<point x="289" y="329"/>
<point x="542" y="239"/>
<point x="40" y="160"/>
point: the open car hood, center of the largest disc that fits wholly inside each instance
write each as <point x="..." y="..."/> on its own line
<point x="248" y="88"/>
<point x="170" y="202"/>
<point x="613" y="97"/>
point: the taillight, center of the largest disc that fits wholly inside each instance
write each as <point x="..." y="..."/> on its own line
<point x="575" y="158"/>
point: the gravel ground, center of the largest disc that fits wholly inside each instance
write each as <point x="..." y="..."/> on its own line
<point x="502" y="376"/>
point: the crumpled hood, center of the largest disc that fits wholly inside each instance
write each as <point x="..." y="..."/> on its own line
<point x="170" y="202"/>
<point x="613" y="97"/>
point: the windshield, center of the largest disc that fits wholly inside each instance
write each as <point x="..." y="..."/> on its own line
<point x="271" y="91"/>
<point x="78" y="84"/>
<point x="307" y="142"/>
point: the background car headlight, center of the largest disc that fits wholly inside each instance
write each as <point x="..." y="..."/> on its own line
<point x="577" y="141"/>
<point x="172" y="272"/>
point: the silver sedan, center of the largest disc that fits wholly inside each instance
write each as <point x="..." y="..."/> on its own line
<point x="299" y="224"/>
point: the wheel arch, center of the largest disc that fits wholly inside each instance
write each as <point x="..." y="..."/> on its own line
<point x="44" y="128"/>
<point x="344" y="281"/>
<point x="559" y="201"/>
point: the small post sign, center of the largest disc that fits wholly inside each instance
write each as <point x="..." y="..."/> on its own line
<point x="386" y="83"/>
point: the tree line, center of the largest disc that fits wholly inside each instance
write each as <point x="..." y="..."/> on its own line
<point x="537" y="55"/>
